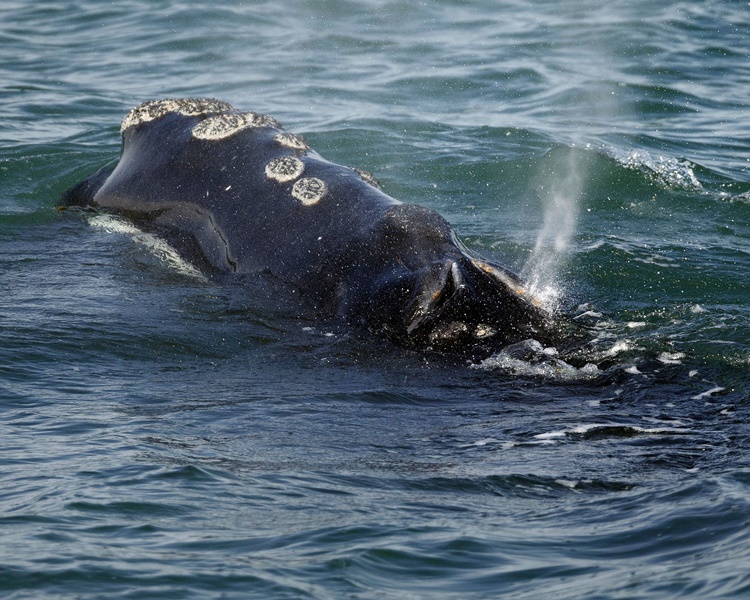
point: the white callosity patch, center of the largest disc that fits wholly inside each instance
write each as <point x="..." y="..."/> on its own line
<point x="309" y="190"/>
<point x="483" y="331"/>
<point x="290" y="140"/>
<point x="367" y="177"/>
<point x="155" y="109"/>
<point x="284" y="168"/>
<point x="224" y="125"/>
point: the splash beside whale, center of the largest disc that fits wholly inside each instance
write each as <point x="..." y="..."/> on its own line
<point x="234" y="193"/>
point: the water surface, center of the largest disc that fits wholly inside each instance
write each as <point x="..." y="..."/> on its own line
<point x="169" y="437"/>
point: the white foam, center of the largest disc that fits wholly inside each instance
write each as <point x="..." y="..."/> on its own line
<point x="589" y="313"/>
<point x="482" y="442"/>
<point x="585" y="428"/>
<point x="529" y="358"/>
<point x="157" y="246"/>
<point x="671" y="358"/>
<point x="668" y="171"/>
<point x="708" y="393"/>
<point x="618" y="348"/>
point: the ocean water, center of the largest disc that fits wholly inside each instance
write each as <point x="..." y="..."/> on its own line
<point x="167" y="436"/>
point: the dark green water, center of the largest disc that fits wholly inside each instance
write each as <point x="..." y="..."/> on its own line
<point x="164" y="436"/>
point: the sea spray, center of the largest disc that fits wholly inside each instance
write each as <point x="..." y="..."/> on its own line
<point x="560" y="188"/>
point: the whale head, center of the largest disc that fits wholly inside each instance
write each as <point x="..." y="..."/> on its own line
<point x="432" y="294"/>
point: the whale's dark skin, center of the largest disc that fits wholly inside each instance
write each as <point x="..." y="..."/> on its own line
<point x="234" y="193"/>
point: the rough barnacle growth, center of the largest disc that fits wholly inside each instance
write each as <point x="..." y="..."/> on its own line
<point x="290" y="140"/>
<point x="309" y="190"/>
<point x="284" y="168"/>
<point x="155" y="109"/>
<point x="484" y="331"/>
<point x="224" y="125"/>
<point x="448" y="331"/>
<point x="367" y="177"/>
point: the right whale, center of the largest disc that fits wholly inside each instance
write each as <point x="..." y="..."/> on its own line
<point x="234" y="193"/>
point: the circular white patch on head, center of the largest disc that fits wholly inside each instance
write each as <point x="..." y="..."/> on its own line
<point x="309" y="190"/>
<point x="224" y="125"/>
<point x="296" y="142"/>
<point x="155" y="109"/>
<point x="284" y="168"/>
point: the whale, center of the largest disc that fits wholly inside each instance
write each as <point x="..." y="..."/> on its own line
<point x="239" y="196"/>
